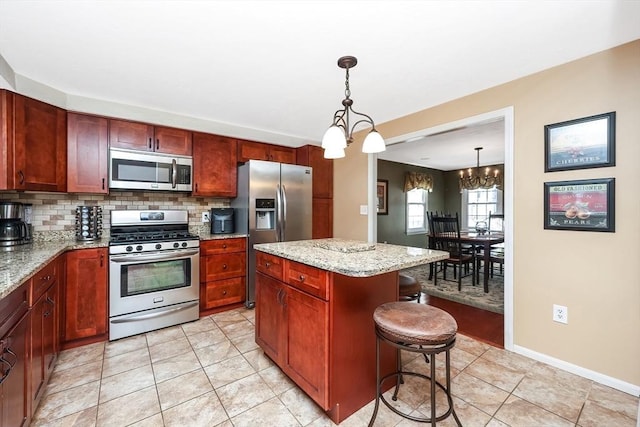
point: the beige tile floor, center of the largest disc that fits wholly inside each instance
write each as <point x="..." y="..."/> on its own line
<point x="211" y="373"/>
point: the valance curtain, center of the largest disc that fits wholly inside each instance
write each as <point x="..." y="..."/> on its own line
<point x="413" y="180"/>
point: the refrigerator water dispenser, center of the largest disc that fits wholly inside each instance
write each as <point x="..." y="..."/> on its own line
<point x="265" y="214"/>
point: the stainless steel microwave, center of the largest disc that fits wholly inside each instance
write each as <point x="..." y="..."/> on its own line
<point x="139" y="170"/>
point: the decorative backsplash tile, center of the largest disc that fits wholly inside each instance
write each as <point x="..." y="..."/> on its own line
<point x="54" y="214"/>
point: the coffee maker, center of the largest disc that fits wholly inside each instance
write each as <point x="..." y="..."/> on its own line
<point x="14" y="230"/>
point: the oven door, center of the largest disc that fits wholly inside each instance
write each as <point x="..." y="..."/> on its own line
<point x="144" y="281"/>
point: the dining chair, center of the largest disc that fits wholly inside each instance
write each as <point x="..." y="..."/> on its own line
<point x="446" y="237"/>
<point x="496" y="256"/>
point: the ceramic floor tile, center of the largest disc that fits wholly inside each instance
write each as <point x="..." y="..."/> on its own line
<point x="175" y="366"/>
<point x="460" y="358"/>
<point x="595" y="415"/>
<point x="185" y="387"/>
<point x="84" y="418"/>
<point x="126" y="362"/>
<point x="73" y="377"/>
<point x="478" y="393"/>
<point x="510" y="360"/>
<point x="152" y="421"/>
<point x="614" y="399"/>
<point x="206" y="338"/>
<point x="79" y="356"/>
<point x="129" y="408"/>
<point x="301" y="406"/>
<point x="227" y="317"/>
<point x="216" y="353"/>
<point x="271" y="413"/>
<point x="250" y="315"/>
<point x="245" y="342"/>
<point x="470" y="345"/>
<point x="66" y="402"/>
<point x="125" y="345"/>
<point x="126" y="382"/>
<point x="244" y="394"/>
<point x="469" y="415"/>
<point x="205" y="410"/>
<point x="237" y="329"/>
<point x="498" y="375"/>
<point x="228" y="371"/>
<point x="201" y="325"/>
<point x="258" y="360"/>
<point x="276" y="380"/>
<point x="165" y="336"/>
<point x="167" y="350"/>
<point x="519" y="412"/>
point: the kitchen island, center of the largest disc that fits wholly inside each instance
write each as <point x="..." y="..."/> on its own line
<point x="314" y="314"/>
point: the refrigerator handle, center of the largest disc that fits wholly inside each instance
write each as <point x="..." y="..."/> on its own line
<point x="278" y="213"/>
<point x="283" y="189"/>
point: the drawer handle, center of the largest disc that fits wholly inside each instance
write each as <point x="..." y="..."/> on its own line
<point x="302" y="277"/>
<point x="224" y="292"/>
<point x="224" y="266"/>
<point x="46" y="278"/>
<point x="224" y="246"/>
<point x="267" y="264"/>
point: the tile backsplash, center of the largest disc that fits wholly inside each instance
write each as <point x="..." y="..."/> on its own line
<point x="55" y="213"/>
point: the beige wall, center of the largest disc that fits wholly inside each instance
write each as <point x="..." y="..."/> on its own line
<point x="593" y="274"/>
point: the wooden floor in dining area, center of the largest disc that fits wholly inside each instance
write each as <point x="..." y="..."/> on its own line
<point x="473" y="322"/>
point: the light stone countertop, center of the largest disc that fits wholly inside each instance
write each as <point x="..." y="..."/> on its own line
<point x="22" y="262"/>
<point x="350" y="257"/>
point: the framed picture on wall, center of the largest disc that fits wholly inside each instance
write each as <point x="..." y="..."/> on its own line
<point x="585" y="205"/>
<point x="382" y="193"/>
<point x="583" y="143"/>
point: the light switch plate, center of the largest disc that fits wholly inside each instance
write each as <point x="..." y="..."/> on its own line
<point x="364" y="209"/>
<point x="205" y="217"/>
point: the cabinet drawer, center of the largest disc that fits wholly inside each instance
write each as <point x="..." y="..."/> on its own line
<point x="222" y="246"/>
<point x="222" y="292"/>
<point x="224" y="266"/>
<point x="306" y="278"/>
<point x="42" y="280"/>
<point x="13" y="307"/>
<point x="269" y="264"/>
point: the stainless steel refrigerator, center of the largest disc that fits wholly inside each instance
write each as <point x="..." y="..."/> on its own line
<point x="274" y="204"/>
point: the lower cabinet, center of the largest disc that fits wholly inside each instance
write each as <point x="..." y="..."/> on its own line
<point x="222" y="272"/>
<point x="292" y="329"/>
<point x="85" y="316"/>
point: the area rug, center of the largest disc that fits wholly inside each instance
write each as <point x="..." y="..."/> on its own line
<point x="469" y="295"/>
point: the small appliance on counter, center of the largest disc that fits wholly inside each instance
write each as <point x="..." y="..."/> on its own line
<point x="14" y="230"/>
<point x="222" y="221"/>
<point x="88" y="223"/>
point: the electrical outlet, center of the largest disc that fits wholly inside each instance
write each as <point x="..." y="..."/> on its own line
<point x="560" y="314"/>
<point x="205" y="217"/>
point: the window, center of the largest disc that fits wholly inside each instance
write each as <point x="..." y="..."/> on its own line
<point x="476" y="205"/>
<point x="416" y="211"/>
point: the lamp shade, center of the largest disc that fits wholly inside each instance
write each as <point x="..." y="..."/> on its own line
<point x="334" y="138"/>
<point x="333" y="153"/>
<point x="373" y="143"/>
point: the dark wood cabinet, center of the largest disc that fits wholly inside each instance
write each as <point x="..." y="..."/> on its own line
<point x="85" y="296"/>
<point x="251" y="150"/>
<point x="33" y="144"/>
<point x="311" y="155"/>
<point x="145" y="137"/>
<point x="14" y="350"/>
<point x="87" y="154"/>
<point x="222" y="272"/>
<point x="322" y="218"/>
<point x="215" y="171"/>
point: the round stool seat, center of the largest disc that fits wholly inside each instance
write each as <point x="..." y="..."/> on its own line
<point x="409" y="286"/>
<point x="418" y="324"/>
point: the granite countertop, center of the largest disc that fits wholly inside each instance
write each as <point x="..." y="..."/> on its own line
<point x="22" y="262"/>
<point x="350" y="257"/>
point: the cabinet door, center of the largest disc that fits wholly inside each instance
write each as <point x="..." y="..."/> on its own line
<point x="40" y="146"/>
<point x="312" y="155"/>
<point x="85" y="314"/>
<point x="172" y="141"/>
<point x="6" y="140"/>
<point x="322" y="221"/>
<point x="215" y="169"/>
<point x="131" y="135"/>
<point x="15" y="408"/>
<point x="271" y="317"/>
<point x="249" y="150"/>
<point x="282" y="154"/>
<point x="87" y="149"/>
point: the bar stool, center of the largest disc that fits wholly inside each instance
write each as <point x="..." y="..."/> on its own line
<point x="417" y="328"/>
<point x="409" y="288"/>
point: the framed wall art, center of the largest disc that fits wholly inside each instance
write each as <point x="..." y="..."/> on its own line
<point x="583" y="143"/>
<point x="584" y="205"/>
<point x="382" y="192"/>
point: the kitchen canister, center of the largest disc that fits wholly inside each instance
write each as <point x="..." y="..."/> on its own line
<point x="88" y="223"/>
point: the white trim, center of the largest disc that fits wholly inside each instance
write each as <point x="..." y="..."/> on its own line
<point x="372" y="198"/>
<point x="624" y="386"/>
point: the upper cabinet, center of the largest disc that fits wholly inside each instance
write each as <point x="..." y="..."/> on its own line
<point x="87" y="146"/>
<point x="146" y="137"/>
<point x="33" y="144"/>
<point x="250" y="150"/>
<point x="215" y="171"/>
<point x="311" y="155"/>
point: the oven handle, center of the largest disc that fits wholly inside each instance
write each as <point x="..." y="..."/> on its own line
<point x="173" y="255"/>
<point x="137" y="317"/>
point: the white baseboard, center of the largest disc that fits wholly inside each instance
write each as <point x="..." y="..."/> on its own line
<point x="632" y="389"/>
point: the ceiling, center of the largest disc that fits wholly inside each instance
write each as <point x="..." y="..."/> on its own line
<point x="267" y="69"/>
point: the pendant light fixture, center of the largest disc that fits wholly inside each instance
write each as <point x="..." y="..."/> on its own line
<point x="474" y="178"/>
<point x="340" y="133"/>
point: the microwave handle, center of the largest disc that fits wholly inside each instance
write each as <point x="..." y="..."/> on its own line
<point x="174" y="173"/>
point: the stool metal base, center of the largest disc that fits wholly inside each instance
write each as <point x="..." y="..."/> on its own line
<point x="426" y="351"/>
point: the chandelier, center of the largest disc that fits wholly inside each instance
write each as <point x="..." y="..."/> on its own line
<point x="340" y="133"/>
<point x="474" y="178"/>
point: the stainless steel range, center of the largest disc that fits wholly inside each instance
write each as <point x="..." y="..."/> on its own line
<point x="154" y="265"/>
